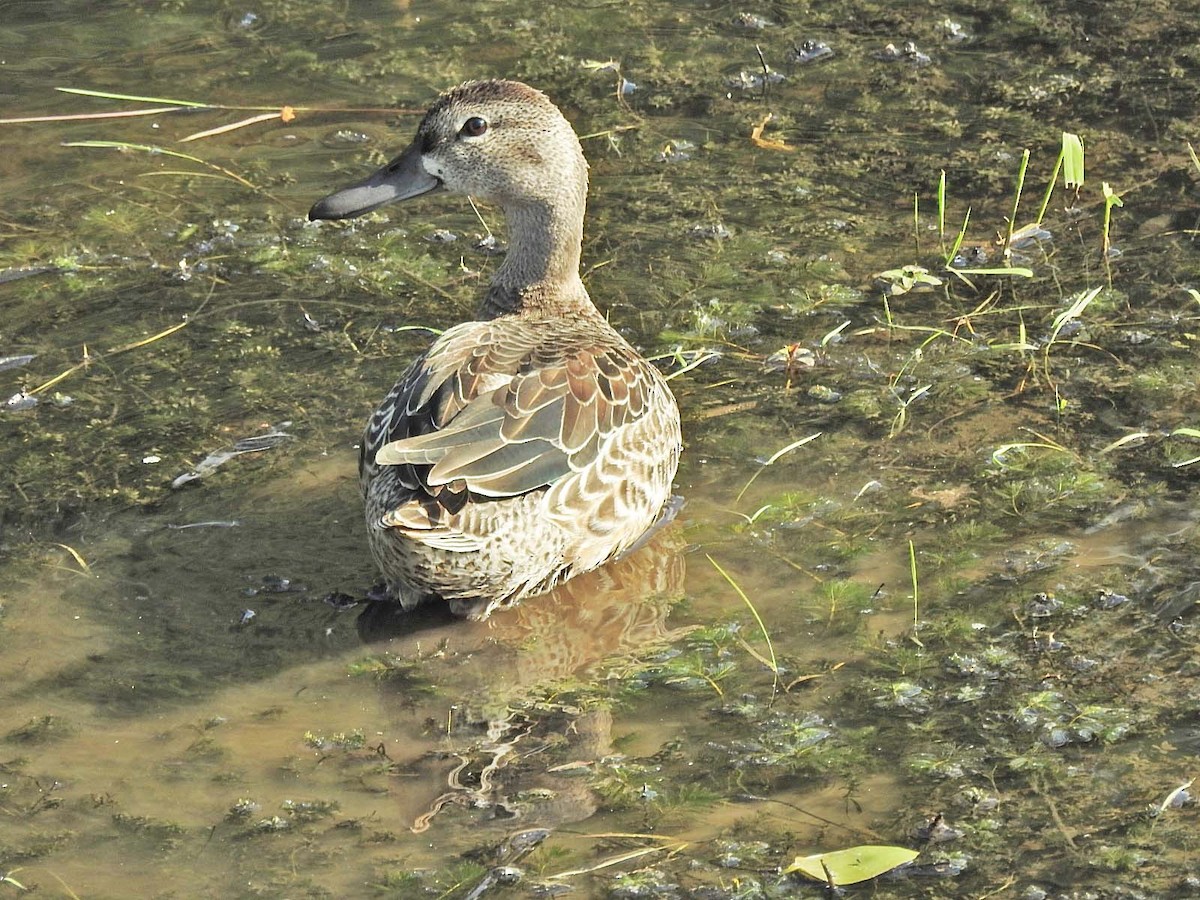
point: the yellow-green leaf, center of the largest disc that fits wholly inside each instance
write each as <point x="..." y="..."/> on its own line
<point x="1072" y="154"/>
<point x="852" y="865"/>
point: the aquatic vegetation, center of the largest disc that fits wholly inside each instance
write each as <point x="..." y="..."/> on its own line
<point x="1042" y="483"/>
<point x="164" y="834"/>
<point x="692" y="671"/>
<point x="401" y="884"/>
<point x="306" y="811"/>
<point x="355" y="740"/>
<point x="39" y="731"/>
<point x="388" y="667"/>
<point x="770" y="662"/>
<point x="843" y="603"/>
<point x="852" y="865"/>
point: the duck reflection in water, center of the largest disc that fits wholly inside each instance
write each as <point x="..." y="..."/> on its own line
<point x="588" y="628"/>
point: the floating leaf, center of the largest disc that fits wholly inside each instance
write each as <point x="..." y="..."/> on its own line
<point x="907" y="279"/>
<point x="852" y="865"/>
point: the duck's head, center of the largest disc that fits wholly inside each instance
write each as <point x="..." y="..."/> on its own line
<point x="501" y="141"/>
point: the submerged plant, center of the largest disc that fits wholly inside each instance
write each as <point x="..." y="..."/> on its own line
<point x="770" y="662"/>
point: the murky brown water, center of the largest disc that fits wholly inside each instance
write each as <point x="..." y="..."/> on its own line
<point x="185" y="715"/>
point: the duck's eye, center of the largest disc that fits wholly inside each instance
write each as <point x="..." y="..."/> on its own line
<point x="474" y="126"/>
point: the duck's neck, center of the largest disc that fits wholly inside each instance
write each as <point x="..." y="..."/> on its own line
<point x="540" y="272"/>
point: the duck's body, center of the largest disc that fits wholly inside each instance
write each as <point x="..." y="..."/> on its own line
<point x="536" y="443"/>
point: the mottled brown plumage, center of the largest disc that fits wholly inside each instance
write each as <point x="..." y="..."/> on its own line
<point x="536" y="443"/>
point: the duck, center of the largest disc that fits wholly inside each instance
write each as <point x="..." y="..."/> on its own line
<point x="534" y="443"/>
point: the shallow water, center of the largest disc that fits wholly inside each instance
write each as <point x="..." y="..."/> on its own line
<point x="185" y="714"/>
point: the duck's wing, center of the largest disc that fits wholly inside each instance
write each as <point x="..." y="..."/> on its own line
<point x="500" y="411"/>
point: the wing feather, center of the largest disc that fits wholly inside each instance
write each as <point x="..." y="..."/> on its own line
<point x="543" y="423"/>
<point x="507" y="407"/>
<point x="513" y="469"/>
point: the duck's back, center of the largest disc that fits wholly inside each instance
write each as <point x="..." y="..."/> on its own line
<point x="514" y="453"/>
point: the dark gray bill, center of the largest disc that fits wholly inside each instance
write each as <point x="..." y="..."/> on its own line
<point x="401" y="179"/>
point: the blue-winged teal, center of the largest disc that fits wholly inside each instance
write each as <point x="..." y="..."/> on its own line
<point x="534" y="444"/>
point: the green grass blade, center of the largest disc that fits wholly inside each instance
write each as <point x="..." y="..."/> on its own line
<point x="774" y="459"/>
<point x="941" y="198"/>
<point x="1050" y="187"/>
<point x="1135" y="437"/>
<point x="1015" y="271"/>
<point x="912" y="569"/>
<point x="125" y="145"/>
<point x="917" y="225"/>
<point x="81" y="117"/>
<point x="831" y="335"/>
<point x="161" y="151"/>
<point x="108" y="95"/>
<point x="1012" y="219"/>
<point x="1074" y="311"/>
<point x="1192" y="154"/>
<point x="958" y="241"/>
<point x="774" y="665"/>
